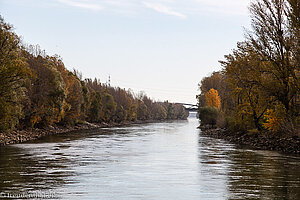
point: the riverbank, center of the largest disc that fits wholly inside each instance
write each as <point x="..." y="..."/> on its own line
<point x="19" y="136"/>
<point x="273" y="142"/>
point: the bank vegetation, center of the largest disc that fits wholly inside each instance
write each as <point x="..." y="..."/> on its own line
<point x="38" y="91"/>
<point x="257" y="91"/>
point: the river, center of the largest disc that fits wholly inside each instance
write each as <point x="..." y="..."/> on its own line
<point x="169" y="160"/>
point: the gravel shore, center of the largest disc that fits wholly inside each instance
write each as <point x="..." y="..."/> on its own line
<point x="264" y="141"/>
<point x="19" y="136"/>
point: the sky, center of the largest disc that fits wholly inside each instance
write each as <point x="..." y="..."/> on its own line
<point x="161" y="47"/>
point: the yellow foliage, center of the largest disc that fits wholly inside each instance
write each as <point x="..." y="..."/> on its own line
<point x="35" y="119"/>
<point x="133" y="116"/>
<point x="272" y="120"/>
<point x="213" y="99"/>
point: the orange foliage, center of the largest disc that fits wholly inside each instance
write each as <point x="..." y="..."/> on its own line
<point x="273" y="121"/>
<point x="213" y="99"/>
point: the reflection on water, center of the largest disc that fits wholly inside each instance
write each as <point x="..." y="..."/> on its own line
<point x="153" y="161"/>
<point x="264" y="175"/>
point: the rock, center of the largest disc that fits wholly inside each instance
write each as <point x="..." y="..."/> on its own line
<point x="287" y="144"/>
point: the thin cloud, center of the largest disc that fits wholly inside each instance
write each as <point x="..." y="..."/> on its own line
<point x="163" y="9"/>
<point x="231" y="7"/>
<point x="81" y="4"/>
<point x="169" y="7"/>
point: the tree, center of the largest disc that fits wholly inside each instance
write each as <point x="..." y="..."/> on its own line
<point x="46" y="93"/>
<point x="170" y="111"/>
<point x="180" y="112"/>
<point x="214" y="81"/>
<point x="13" y="76"/>
<point x="208" y="115"/>
<point x="109" y="106"/>
<point x="159" y="111"/>
<point x="244" y="76"/>
<point x="142" y="110"/>
<point x="263" y="72"/>
<point x="273" y="120"/>
<point x="277" y="46"/>
<point x="213" y="99"/>
<point x="95" y="113"/>
<point x="86" y="100"/>
<point x="74" y="98"/>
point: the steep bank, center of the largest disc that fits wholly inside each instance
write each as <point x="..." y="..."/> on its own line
<point x="274" y="142"/>
<point x="19" y="136"/>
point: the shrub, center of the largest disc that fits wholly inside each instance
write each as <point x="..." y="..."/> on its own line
<point x="208" y="115"/>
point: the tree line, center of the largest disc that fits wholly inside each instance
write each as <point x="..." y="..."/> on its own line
<point x="36" y="90"/>
<point x="257" y="89"/>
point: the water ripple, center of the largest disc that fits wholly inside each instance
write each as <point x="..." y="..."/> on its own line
<point x="153" y="161"/>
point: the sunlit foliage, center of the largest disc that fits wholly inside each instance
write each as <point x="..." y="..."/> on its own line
<point x="273" y="120"/>
<point x="213" y="99"/>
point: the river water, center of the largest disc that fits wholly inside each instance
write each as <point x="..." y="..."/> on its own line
<point x="169" y="160"/>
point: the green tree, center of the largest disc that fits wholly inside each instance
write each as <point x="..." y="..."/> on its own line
<point x="95" y="113"/>
<point x="208" y="115"/>
<point x="170" y="111"/>
<point x="109" y="106"/>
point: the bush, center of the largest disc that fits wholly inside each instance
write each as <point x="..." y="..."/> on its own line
<point x="208" y="115"/>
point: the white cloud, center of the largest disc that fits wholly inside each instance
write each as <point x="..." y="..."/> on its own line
<point x="164" y="9"/>
<point x="168" y="7"/>
<point x="231" y="7"/>
<point x="82" y="4"/>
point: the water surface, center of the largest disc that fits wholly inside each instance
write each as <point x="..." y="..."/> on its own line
<point x="170" y="160"/>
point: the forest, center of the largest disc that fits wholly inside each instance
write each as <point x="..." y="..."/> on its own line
<point x="257" y="90"/>
<point x="37" y="90"/>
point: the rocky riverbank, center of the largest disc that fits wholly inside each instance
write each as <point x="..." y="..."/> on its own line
<point x="19" y="136"/>
<point x="264" y="141"/>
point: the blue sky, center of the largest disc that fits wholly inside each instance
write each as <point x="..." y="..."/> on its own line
<point x="161" y="47"/>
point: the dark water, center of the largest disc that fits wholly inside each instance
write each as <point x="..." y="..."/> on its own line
<point x="153" y="161"/>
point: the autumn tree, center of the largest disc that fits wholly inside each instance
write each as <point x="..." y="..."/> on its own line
<point x="13" y="76"/>
<point x="95" y="113"/>
<point x="124" y="101"/>
<point x="132" y="109"/>
<point x="243" y="70"/>
<point x="213" y="99"/>
<point x="74" y="98"/>
<point x="170" y="110"/>
<point x="275" y="39"/>
<point x="262" y="74"/>
<point x="273" y="119"/>
<point x="46" y="92"/>
<point x="109" y="106"/>
<point x="142" y="110"/>
<point x="214" y="81"/>
<point x="180" y="112"/>
<point x="159" y="111"/>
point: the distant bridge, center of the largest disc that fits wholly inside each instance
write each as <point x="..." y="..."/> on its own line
<point x="190" y="107"/>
